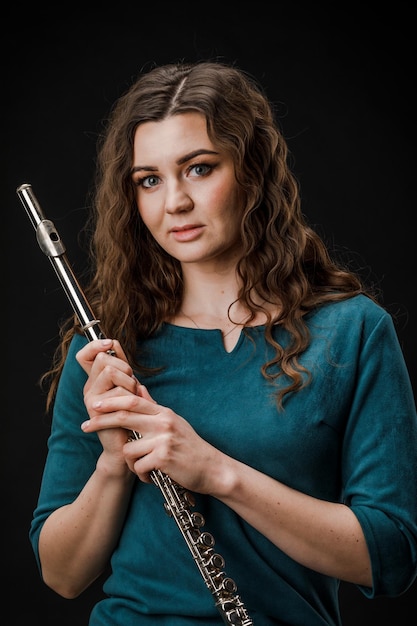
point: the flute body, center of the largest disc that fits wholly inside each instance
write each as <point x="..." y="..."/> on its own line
<point x="178" y="502"/>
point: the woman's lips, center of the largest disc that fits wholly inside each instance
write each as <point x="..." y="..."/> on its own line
<point x="187" y="232"/>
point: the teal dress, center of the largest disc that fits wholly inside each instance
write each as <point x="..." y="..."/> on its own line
<point x="350" y="436"/>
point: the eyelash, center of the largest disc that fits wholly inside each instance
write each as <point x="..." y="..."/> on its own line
<point x="209" y="167"/>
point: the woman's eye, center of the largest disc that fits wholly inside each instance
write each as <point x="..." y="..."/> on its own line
<point x="148" y="181"/>
<point x="201" y="169"/>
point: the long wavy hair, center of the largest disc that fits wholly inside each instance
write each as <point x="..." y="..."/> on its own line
<point x="135" y="285"/>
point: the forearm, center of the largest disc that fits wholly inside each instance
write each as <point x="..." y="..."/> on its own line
<point x="323" y="536"/>
<point x="77" y="540"/>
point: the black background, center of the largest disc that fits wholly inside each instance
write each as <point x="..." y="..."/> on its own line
<point x="342" y="82"/>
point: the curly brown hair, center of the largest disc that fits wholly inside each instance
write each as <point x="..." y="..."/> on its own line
<point x="136" y="285"/>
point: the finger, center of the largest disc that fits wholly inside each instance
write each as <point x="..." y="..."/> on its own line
<point x="86" y="357"/>
<point x="88" y="353"/>
<point x="95" y="397"/>
<point x="136" y="456"/>
<point x="119" y="400"/>
<point x="123" y="411"/>
<point x="104" y="376"/>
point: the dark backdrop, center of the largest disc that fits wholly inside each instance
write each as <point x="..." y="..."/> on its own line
<point x="342" y="86"/>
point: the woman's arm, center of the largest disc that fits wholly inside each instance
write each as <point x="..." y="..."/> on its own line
<point x="322" y="536"/>
<point x="77" y="540"/>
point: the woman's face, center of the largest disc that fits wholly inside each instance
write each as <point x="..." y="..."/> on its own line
<point x="186" y="190"/>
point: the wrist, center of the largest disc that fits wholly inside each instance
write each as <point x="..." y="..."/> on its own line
<point x="111" y="468"/>
<point x="225" y="478"/>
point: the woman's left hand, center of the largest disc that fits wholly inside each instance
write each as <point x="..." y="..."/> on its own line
<point x="167" y="441"/>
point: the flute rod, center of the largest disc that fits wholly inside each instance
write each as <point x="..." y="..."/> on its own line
<point x="53" y="247"/>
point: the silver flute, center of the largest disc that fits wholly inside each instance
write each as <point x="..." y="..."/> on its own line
<point x="178" y="501"/>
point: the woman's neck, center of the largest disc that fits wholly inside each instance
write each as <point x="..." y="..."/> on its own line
<point x="210" y="292"/>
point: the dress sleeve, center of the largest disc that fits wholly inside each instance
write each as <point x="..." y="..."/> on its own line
<point x="72" y="454"/>
<point x="380" y="460"/>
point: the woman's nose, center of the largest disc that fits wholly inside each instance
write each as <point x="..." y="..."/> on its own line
<point x="177" y="197"/>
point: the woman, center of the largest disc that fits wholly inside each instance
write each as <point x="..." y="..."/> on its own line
<point x="252" y="369"/>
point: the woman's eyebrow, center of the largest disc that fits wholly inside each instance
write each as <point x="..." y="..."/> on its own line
<point x="193" y="154"/>
<point x="140" y="168"/>
<point x="181" y="161"/>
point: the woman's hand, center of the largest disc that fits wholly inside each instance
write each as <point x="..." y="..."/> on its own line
<point x="118" y="404"/>
<point x="109" y="374"/>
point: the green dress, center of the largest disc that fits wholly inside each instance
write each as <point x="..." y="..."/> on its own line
<point x="350" y="436"/>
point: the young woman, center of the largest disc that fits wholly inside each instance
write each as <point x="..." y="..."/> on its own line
<point x="243" y="362"/>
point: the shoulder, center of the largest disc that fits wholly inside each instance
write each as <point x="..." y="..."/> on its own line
<point x="353" y="323"/>
<point x="359" y="309"/>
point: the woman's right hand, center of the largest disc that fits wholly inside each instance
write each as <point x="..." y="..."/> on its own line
<point x="109" y="374"/>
